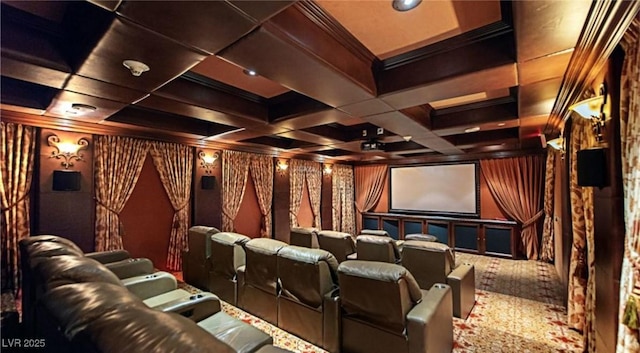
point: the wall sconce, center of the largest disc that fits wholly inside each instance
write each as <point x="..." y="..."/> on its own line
<point x="593" y="109"/>
<point x="68" y="151"/>
<point x="327" y="169"/>
<point x="207" y="160"/>
<point x="282" y="166"/>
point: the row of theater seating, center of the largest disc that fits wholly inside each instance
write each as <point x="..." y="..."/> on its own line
<point x="354" y="306"/>
<point x="428" y="261"/>
<point x="76" y="302"/>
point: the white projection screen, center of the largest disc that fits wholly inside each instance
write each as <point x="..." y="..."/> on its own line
<point x="447" y="189"/>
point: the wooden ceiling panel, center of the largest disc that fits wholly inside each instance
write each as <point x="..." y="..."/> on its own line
<point x="26" y="94"/>
<point x="61" y="107"/>
<point x="504" y="76"/>
<point x="271" y="53"/>
<point x="384" y="31"/>
<point x="538" y="98"/>
<point x="190" y="92"/>
<point x="544" y="68"/>
<point x="223" y="71"/>
<point x="127" y="41"/>
<point x="473" y="117"/>
<point x="313" y="119"/>
<point x="368" y="107"/>
<point x="261" y="10"/>
<point x="544" y="27"/>
<point x="202" y="113"/>
<point x="207" y="25"/>
<point x="91" y="87"/>
<point x="34" y="73"/>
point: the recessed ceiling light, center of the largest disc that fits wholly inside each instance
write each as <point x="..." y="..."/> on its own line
<point x="250" y="72"/>
<point x="502" y="124"/>
<point x="405" y="5"/>
<point x="472" y="129"/>
<point x="79" y="108"/>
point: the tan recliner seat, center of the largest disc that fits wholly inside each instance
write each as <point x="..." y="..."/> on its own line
<point x="195" y="269"/>
<point x="308" y="305"/>
<point x="259" y="278"/>
<point x="227" y="255"/>
<point x="304" y="236"/>
<point x="432" y="262"/>
<point x="340" y="244"/>
<point x="384" y="310"/>
<point x="378" y="248"/>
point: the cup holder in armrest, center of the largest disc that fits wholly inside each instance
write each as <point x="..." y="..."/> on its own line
<point x="196" y="296"/>
<point x="440" y="286"/>
<point x="151" y="276"/>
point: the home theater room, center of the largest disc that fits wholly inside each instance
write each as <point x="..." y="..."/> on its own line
<point x="320" y="176"/>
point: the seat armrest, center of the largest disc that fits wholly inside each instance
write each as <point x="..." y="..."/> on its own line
<point x="196" y="307"/>
<point x="105" y="257"/>
<point x="240" y="273"/>
<point x="147" y="286"/>
<point x="430" y="323"/>
<point x="331" y="321"/>
<point x="131" y="267"/>
<point x="463" y="285"/>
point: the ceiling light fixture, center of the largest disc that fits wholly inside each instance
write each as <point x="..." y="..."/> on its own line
<point x="472" y="129"/>
<point x="79" y="108"/>
<point x="405" y="5"/>
<point x="136" y="67"/>
<point x="502" y="124"/>
<point x="250" y="72"/>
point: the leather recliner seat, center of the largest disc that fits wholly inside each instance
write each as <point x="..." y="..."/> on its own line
<point x="227" y="257"/>
<point x="340" y="244"/>
<point x="432" y="262"/>
<point x="376" y="232"/>
<point x="195" y="261"/>
<point x="308" y="304"/>
<point x="378" y="248"/>
<point x="384" y="310"/>
<point x="304" y="236"/>
<point x="259" y="278"/>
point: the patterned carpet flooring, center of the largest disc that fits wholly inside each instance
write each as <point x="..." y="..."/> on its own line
<point x="518" y="309"/>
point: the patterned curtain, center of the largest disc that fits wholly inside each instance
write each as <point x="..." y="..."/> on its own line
<point x="174" y="163"/>
<point x="342" y="199"/>
<point x="546" y="254"/>
<point x="235" y="170"/>
<point x="581" y="298"/>
<point x="516" y="183"/>
<point x="118" y="162"/>
<point x="296" y="183"/>
<point x="262" y="174"/>
<point x="630" y="138"/>
<point x="16" y="170"/>
<point x="369" y="183"/>
<point x="313" y="174"/>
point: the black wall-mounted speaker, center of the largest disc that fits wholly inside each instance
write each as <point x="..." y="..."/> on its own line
<point x="592" y="167"/>
<point x="66" y="180"/>
<point x="208" y="182"/>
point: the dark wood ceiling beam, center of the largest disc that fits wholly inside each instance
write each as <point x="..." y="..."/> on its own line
<point x="208" y="26"/>
<point x="189" y="92"/>
<point x="489" y="52"/>
<point x="474" y="117"/>
<point x="203" y="113"/>
<point x="483" y="138"/>
<point x="314" y="119"/>
<point x="156" y="119"/>
<point x="246" y="134"/>
<point x="328" y="131"/>
<point x="306" y="136"/>
<point x="293" y="104"/>
<point x="287" y="49"/>
<point x="487" y="80"/>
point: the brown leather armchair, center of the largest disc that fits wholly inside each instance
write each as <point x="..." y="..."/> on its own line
<point x="195" y="259"/>
<point x="377" y="232"/>
<point x="384" y="310"/>
<point x="432" y="262"/>
<point x="259" y="279"/>
<point x="340" y="244"/>
<point x="308" y="305"/>
<point x="228" y="255"/>
<point x="304" y="236"/>
<point x="378" y="248"/>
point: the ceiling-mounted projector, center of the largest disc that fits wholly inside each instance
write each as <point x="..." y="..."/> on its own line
<point x="372" y="145"/>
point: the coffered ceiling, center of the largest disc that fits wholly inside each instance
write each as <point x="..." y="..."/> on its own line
<point x="331" y="74"/>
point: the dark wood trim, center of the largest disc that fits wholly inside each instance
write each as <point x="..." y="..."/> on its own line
<point x="222" y="87"/>
<point x="333" y="28"/>
<point x="455" y="158"/>
<point x="462" y="40"/>
<point x="604" y="27"/>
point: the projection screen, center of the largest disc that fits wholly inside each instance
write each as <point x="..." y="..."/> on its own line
<point x="447" y="189"/>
